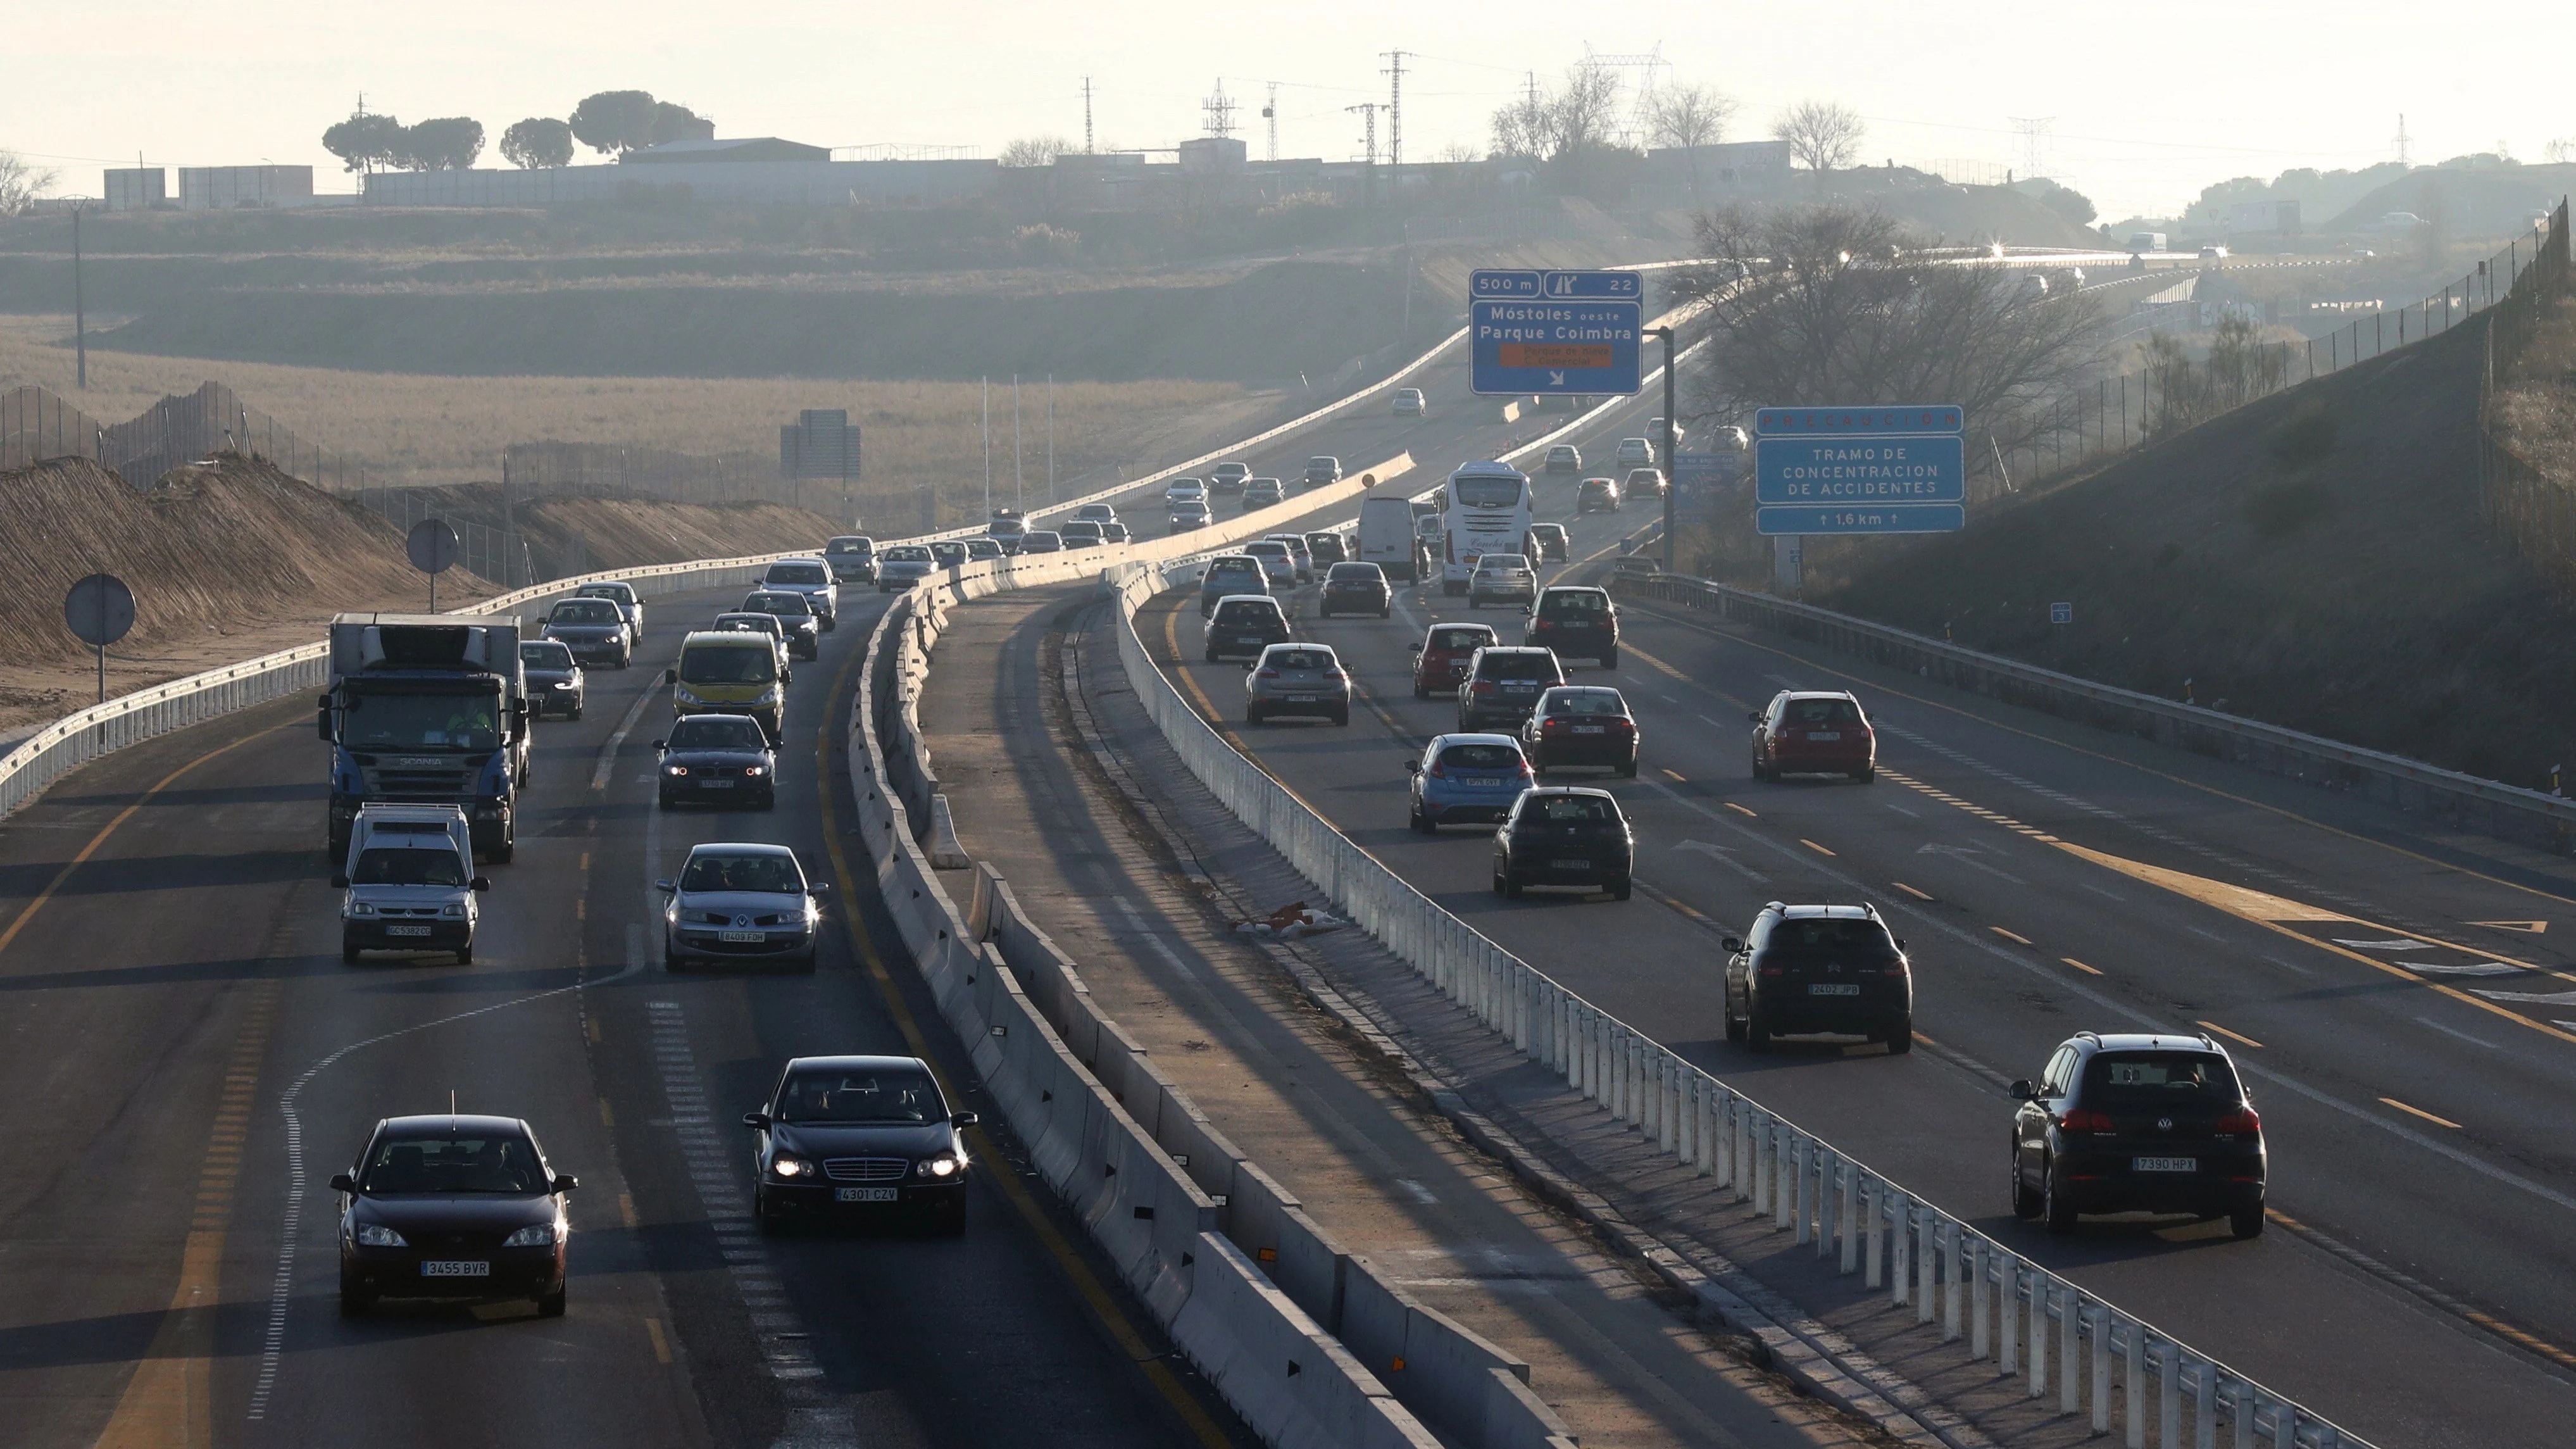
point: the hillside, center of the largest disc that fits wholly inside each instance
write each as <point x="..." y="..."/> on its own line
<point x="2316" y="560"/>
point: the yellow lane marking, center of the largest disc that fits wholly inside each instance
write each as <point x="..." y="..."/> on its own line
<point x="2420" y="1112"/>
<point x="626" y="1210"/>
<point x="2528" y="928"/>
<point x="109" y="829"/>
<point x="1911" y="891"/>
<point x="1086" y="1284"/>
<point x="607" y="1116"/>
<point x="1731" y="805"/>
<point x="1811" y="845"/>
<point x="2018" y="940"/>
<point x="2231" y="1035"/>
<point x="2080" y="966"/>
<point x="581" y="908"/>
<point x="1676" y="776"/>
<point x="2147" y="770"/>
<point x="2536" y="1345"/>
<point x="661" y="1345"/>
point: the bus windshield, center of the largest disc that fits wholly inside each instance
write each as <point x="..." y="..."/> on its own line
<point x="1486" y="492"/>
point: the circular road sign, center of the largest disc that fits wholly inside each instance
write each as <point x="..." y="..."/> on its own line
<point x="99" y="609"/>
<point x="432" y="546"/>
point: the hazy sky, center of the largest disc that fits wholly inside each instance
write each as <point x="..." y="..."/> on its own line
<point x="2150" y="102"/>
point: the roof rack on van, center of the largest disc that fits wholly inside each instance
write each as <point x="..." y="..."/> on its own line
<point x="2091" y="1036"/>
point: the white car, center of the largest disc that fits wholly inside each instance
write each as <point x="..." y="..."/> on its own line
<point x="1180" y="489"/>
<point x="1278" y="565"/>
<point x="1636" y="453"/>
<point x="811" y="577"/>
<point x="1409" y="402"/>
<point x="409" y="882"/>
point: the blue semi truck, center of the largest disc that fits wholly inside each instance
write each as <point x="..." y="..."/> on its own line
<point x="428" y="709"/>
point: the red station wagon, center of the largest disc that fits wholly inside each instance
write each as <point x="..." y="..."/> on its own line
<point x="1813" y="732"/>
<point x="1440" y="664"/>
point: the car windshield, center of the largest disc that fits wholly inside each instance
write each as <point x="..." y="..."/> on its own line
<point x="907" y="553"/>
<point x="584" y="611"/>
<point x="729" y="664"/>
<point x="1252" y="615"/>
<point x="841" y="546"/>
<point x="1586" y="701"/>
<point x="1597" y="485"/>
<point x="1574" y="603"/>
<point x="788" y="573"/>
<point x="1463" y="637"/>
<point x="408" y="865"/>
<point x="1820" y="712"/>
<point x="1506" y="562"/>
<point x="616" y="592"/>
<point x="1081" y="528"/>
<point x="705" y="733"/>
<point x="1518" y="666"/>
<point x="546" y="654"/>
<point x="948" y="552"/>
<point x="2140" y="1079"/>
<point x="1827" y="934"/>
<point x="891" y="1094"/>
<point x="1267" y="549"/>
<point x="786" y="606"/>
<point x="1234" y="566"/>
<point x="1041" y="541"/>
<point x="1486" y="492"/>
<point x="1299" y="659"/>
<point x="749" y="623"/>
<point x="1480" y="757"/>
<point x="1355" y="573"/>
<point x="768" y="874"/>
<point x="421" y="721"/>
<point x="503" y="1165"/>
<point x="1569" y="810"/>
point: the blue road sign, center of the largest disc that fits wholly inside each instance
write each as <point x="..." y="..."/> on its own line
<point x="1866" y="518"/>
<point x="1561" y="286"/>
<point x="1543" y="348"/>
<point x="1847" y="468"/>
<point x="1807" y="422"/>
<point x="1501" y="284"/>
<point x="1701" y="481"/>
<point x="2061" y="613"/>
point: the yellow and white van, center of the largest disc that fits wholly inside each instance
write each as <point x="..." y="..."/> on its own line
<point x="729" y="672"/>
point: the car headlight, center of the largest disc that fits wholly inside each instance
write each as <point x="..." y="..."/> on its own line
<point x="563" y="684"/>
<point x="680" y="694"/>
<point x="376" y="1235"/>
<point x="755" y="769"/>
<point x="941" y="1166"/>
<point x="771" y="695"/>
<point x="791" y="1167"/>
<point x="453" y="910"/>
<point x="675" y="769"/>
<point x="361" y="908"/>
<point x="534" y="1235"/>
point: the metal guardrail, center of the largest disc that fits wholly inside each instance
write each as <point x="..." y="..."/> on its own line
<point x="2009" y="1308"/>
<point x="2506" y="812"/>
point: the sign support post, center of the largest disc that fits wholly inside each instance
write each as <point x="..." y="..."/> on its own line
<point x="1672" y="430"/>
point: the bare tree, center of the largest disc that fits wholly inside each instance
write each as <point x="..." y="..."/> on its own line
<point x="1686" y="118"/>
<point x="1035" y="151"/>
<point x="1822" y="135"/>
<point x="1828" y="305"/>
<point x="1525" y="128"/>
<point x="21" y="183"/>
<point x="1584" y="115"/>
<point x="2560" y="151"/>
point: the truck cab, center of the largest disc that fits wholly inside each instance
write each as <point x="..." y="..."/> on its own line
<point x="408" y="882"/>
<point x="427" y="709"/>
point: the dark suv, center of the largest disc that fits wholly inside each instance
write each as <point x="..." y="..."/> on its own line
<point x="1812" y="970"/>
<point x="2138" y="1123"/>
<point x="1578" y="623"/>
<point x="1503" y="684"/>
<point x="1244" y="626"/>
<point x="1564" y="835"/>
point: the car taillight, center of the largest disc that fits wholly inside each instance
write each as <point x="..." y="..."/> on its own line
<point x="1332" y="674"/>
<point x="1437" y="771"/>
<point x="1267" y="674"/>
<point x="1539" y="624"/>
<point x="1767" y="971"/>
<point x="1481" y="686"/>
<point x="2245" y="1122"/>
<point x="1521" y="767"/>
<point x="1624" y="726"/>
<point x="2080" y="1120"/>
<point x="1553" y="724"/>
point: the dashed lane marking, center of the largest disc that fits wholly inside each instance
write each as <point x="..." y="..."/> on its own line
<point x="2080" y="966"/>
<point x="2420" y="1112"/>
<point x="1911" y="891"/>
<point x="2013" y="936"/>
<point x="2234" y="1036"/>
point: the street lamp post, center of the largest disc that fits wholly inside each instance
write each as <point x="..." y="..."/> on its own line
<point x="1671" y="431"/>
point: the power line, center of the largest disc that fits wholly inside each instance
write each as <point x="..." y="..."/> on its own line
<point x="1395" y="108"/>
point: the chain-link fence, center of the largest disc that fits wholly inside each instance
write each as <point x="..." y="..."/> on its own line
<point x="2535" y="511"/>
<point x="498" y="554"/>
<point x="609" y="470"/>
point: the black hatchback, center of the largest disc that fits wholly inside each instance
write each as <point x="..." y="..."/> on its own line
<point x="794" y="615"/>
<point x="1502" y="686"/>
<point x="1564" y="836"/>
<point x="455" y="1207"/>
<point x="1355" y="588"/>
<point x="718" y="759"/>
<point x="1578" y="623"/>
<point x="2138" y="1123"/>
<point x="850" y="1138"/>
<point x="1819" y="970"/>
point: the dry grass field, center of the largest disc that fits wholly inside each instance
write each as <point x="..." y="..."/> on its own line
<point x="430" y="430"/>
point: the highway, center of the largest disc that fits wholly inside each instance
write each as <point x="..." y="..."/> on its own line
<point x="2051" y="879"/>
<point x="188" y="1062"/>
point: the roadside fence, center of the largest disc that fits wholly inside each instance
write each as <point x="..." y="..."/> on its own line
<point x="2534" y="511"/>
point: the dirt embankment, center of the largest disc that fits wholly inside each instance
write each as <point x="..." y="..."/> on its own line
<point x="2317" y="560"/>
<point x="234" y="559"/>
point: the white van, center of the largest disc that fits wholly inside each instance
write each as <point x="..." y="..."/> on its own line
<point x="1386" y="536"/>
<point x="409" y="882"/>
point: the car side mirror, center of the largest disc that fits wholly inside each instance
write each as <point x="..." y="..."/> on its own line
<point x="479" y="883"/>
<point x="662" y="744"/>
<point x="666" y="887"/>
<point x="1755" y="716"/>
<point x="322" y="719"/>
<point x="2023" y="1091"/>
<point x="1412" y="766"/>
<point x="964" y="1119"/>
<point x="819" y="888"/>
<point x="670" y="676"/>
<point x="566" y="1182"/>
<point x="339" y="882"/>
<point x="343" y="1182"/>
<point x="787" y="676"/>
<point x="755" y="1119"/>
<point x="1733" y="945"/>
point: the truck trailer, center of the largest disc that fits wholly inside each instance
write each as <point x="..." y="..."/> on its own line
<point x="427" y="709"/>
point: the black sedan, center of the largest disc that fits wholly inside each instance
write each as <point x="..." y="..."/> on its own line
<point x="794" y="614"/>
<point x="452" y="1207"/>
<point x="721" y="759"/>
<point x="1355" y="588"/>
<point x="1581" y="724"/>
<point x="556" y="684"/>
<point x="1564" y="835"/>
<point x="859" y="1138"/>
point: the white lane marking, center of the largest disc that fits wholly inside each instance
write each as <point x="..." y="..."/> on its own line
<point x="2462" y="1035"/>
<point x="2457" y="968"/>
<point x="1416" y="1190"/>
<point x="608" y="752"/>
<point x="2288" y="965"/>
<point x="2102" y="890"/>
<point x="1967" y="856"/>
<point x="2114" y="1007"/>
<point x="2541" y="998"/>
<point x="1720" y="854"/>
<point x="2407" y="945"/>
<point x="1170" y="957"/>
<point x="1899" y="809"/>
<point x="281" y="1288"/>
<point x="2204" y="934"/>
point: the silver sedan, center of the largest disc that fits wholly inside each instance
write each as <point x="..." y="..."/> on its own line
<point x="740" y="902"/>
<point x="1297" y="679"/>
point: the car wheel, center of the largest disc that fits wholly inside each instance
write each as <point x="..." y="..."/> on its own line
<point x="575" y="714"/>
<point x="1865" y="776"/>
<point x="354" y="1300"/>
<point x="1500" y="887"/>
<point x="1620" y="888"/>
<point x="1387" y="613"/>
<point x="551" y="1305"/>
<point x="1610" y="660"/>
<point x="464" y="955"/>
<point x="2056" y="1207"/>
<point x="2026" y="1203"/>
<point x="1735" y="1026"/>
<point x="1629" y="769"/>
<point x="1424" y="821"/>
<point x="1757" y="1032"/>
<point x="348" y="952"/>
<point x="1252" y="714"/>
<point x="1512" y="889"/>
<point x="769" y="801"/>
<point x="509" y="850"/>
<point x="2246" y="1221"/>
<point x="1900" y="1035"/>
<point x="1211" y="656"/>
